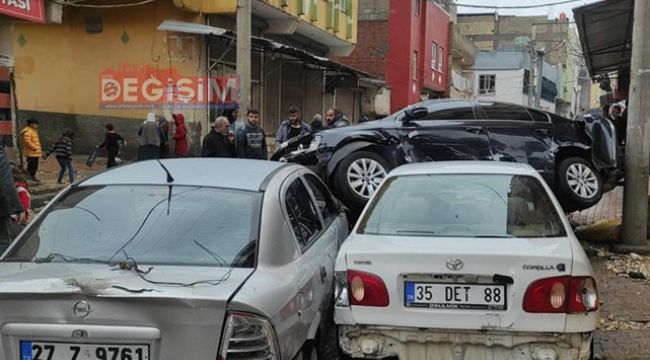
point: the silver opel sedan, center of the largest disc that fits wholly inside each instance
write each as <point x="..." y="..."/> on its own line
<point x="186" y="259"/>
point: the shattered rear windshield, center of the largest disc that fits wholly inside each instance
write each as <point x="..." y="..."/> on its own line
<point x="190" y="226"/>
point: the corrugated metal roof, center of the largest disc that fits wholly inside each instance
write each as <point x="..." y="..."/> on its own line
<point x="605" y="30"/>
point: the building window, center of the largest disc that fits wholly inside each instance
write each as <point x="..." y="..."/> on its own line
<point x="418" y="5"/>
<point x="487" y="84"/>
<point x="415" y="65"/>
<point x="345" y="6"/>
<point x="441" y="57"/>
<point x="433" y="56"/>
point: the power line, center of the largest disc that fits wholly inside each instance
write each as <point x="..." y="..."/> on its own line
<point x="497" y="7"/>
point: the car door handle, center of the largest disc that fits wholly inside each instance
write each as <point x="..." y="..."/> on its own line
<point x="543" y="131"/>
<point x="475" y="130"/>
<point x="323" y="274"/>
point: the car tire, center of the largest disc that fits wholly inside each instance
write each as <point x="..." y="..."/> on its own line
<point x="580" y="185"/>
<point x="358" y="176"/>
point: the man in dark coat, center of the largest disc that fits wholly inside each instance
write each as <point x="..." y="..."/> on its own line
<point x="9" y="201"/>
<point x="219" y="142"/>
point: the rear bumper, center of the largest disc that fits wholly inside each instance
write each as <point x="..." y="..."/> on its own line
<point x="408" y="343"/>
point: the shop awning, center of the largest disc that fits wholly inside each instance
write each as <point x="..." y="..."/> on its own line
<point x="605" y="30"/>
<point x="261" y="44"/>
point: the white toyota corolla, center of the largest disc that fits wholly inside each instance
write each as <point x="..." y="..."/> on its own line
<point x="464" y="260"/>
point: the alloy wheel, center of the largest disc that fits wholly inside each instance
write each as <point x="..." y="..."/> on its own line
<point x="364" y="176"/>
<point x="582" y="180"/>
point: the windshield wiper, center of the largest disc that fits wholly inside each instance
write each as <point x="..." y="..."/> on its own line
<point x="68" y="259"/>
<point x="493" y="236"/>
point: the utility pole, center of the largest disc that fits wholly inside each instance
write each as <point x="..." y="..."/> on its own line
<point x="637" y="153"/>
<point x="531" y="69"/>
<point x="244" y="13"/>
<point x="540" y="78"/>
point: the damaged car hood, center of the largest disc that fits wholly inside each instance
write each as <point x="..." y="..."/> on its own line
<point x="207" y="283"/>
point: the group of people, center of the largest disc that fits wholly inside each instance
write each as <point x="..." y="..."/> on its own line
<point x="32" y="151"/>
<point x="230" y="139"/>
<point x="154" y="136"/>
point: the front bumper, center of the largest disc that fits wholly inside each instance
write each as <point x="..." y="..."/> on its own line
<point x="368" y="342"/>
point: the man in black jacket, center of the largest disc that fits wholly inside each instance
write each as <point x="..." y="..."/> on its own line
<point x="9" y="202"/>
<point x="220" y="141"/>
<point x="251" y="139"/>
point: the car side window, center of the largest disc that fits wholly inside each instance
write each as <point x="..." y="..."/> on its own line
<point x="500" y="111"/>
<point x="303" y="214"/>
<point x="538" y="116"/>
<point x="324" y="200"/>
<point x="452" y="110"/>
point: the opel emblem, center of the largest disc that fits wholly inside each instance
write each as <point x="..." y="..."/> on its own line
<point x="454" y="264"/>
<point x="81" y="309"/>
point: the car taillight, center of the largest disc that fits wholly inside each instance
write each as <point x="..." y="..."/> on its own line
<point x="248" y="336"/>
<point x="563" y="294"/>
<point x="366" y="289"/>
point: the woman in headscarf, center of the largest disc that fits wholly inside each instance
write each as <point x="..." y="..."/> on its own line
<point x="149" y="139"/>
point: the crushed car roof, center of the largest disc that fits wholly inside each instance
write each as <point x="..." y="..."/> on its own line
<point x="241" y="174"/>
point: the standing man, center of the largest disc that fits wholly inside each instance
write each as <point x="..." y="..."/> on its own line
<point x="31" y="147"/>
<point x="335" y="118"/>
<point x="292" y="127"/>
<point x="9" y="202"/>
<point x="219" y="142"/>
<point x="251" y="140"/>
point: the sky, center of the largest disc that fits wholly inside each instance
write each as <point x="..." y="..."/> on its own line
<point x="550" y="11"/>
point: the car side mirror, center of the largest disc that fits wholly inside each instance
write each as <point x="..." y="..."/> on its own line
<point x="414" y="114"/>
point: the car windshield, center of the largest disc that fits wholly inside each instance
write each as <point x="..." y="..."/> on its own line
<point x="195" y="226"/>
<point x="462" y="206"/>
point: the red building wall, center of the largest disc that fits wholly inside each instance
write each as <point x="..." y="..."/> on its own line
<point x="410" y="32"/>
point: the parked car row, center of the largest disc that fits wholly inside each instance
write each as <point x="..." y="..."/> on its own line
<point x="354" y="160"/>
<point x="245" y="259"/>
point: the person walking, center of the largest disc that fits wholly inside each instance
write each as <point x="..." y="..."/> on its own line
<point x="10" y="204"/>
<point x="62" y="149"/>
<point x="251" y="140"/>
<point x="149" y="139"/>
<point x="292" y="127"/>
<point x="219" y="142"/>
<point x="163" y="131"/>
<point x="112" y="141"/>
<point x="181" y="147"/>
<point x="31" y="147"/>
<point x="335" y="118"/>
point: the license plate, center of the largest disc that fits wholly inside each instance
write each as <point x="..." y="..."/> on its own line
<point x="37" y="350"/>
<point x="455" y="296"/>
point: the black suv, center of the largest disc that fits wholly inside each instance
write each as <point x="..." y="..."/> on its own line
<point x="355" y="159"/>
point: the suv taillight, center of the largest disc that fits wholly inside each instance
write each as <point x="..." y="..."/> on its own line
<point x="247" y="336"/>
<point x="564" y="294"/>
<point x="365" y="289"/>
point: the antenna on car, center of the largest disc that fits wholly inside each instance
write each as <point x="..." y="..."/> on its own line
<point x="170" y="180"/>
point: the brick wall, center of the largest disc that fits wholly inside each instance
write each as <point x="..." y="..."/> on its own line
<point x="372" y="47"/>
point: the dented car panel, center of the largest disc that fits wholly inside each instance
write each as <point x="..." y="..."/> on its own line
<point x="406" y="343"/>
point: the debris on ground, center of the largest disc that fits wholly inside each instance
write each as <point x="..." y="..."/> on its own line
<point x="605" y="231"/>
<point x="618" y="324"/>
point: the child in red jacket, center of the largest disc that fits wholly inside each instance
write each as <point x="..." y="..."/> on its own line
<point x="25" y="198"/>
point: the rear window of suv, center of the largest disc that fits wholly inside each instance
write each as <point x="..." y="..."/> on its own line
<point x="467" y="205"/>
